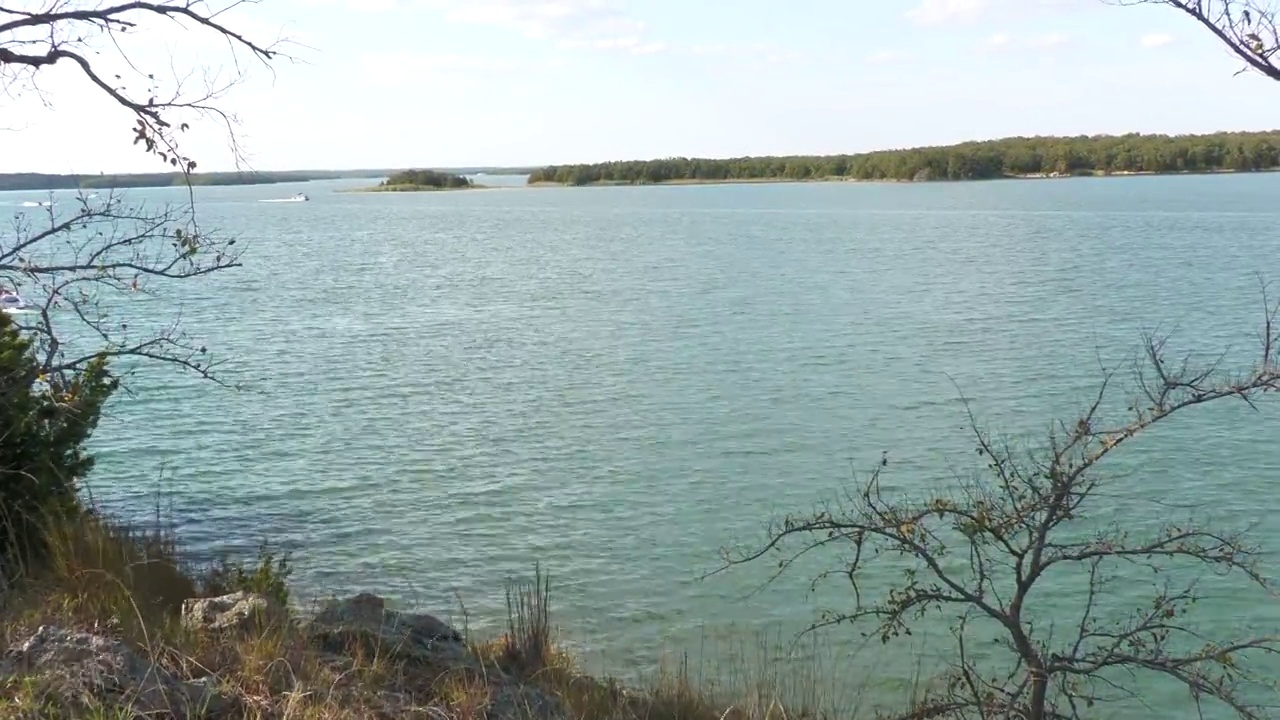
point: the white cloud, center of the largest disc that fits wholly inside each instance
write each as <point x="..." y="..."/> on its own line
<point x="719" y="49"/>
<point x="769" y="52"/>
<point x="941" y="12"/>
<point x="608" y="43"/>
<point x="1046" y="41"/>
<point x="370" y="6"/>
<point x="1153" y="40"/>
<point x="998" y="40"/>
<point x="396" y="68"/>
<point x="883" y="57"/>
<point x="935" y="12"/>
<point x="447" y="63"/>
<point x="649" y="48"/>
<point x="561" y="20"/>
<point x="631" y="44"/>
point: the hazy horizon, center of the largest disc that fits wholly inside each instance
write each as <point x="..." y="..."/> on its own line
<point x="521" y="83"/>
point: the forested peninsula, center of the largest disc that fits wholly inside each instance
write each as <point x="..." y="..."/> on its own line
<point x="1014" y="157"/>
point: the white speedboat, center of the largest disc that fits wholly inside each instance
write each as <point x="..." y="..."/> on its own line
<point x="31" y="203"/>
<point x="300" y="197"/>
<point x="10" y="301"/>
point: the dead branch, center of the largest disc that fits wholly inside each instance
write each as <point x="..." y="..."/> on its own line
<point x="68" y="31"/>
<point x="984" y="547"/>
<point x="79" y="271"/>
<point x="79" y="266"/>
<point x="1246" y="27"/>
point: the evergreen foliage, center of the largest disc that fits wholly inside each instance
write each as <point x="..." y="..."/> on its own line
<point x="44" y="424"/>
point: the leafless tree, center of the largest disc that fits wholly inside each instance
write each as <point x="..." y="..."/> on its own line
<point x="79" y="264"/>
<point x="1247" y="27"/>
<point x="988" y="549"/>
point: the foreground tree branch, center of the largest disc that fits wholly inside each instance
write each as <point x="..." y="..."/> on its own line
<point x="987" y="549"/>
<point x="70" y="30"/>
<point x="1246" y="27"/>
<point x="78" y="263"/>
<point x="87" y="263"/>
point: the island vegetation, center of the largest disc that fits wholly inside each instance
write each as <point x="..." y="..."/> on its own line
<point x="423" y="180"/>
<point x="1014" y="157"/>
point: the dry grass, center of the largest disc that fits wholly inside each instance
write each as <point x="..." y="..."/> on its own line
<point x="746" y="688"/>
<point x="129" y="584"/>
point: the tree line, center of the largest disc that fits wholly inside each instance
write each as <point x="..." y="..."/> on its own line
<point x="426" y="178"/>
<point x="976" y="160"/>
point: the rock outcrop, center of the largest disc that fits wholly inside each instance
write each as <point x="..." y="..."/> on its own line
<point x="239" y="612"/>
<point x="80" y="668"/>
<point x="364" y="624"/>
<point x="364" y="621"/>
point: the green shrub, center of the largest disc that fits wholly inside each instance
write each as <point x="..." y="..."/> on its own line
<point x="268" y="576"/>
<point x="45" y="421"/>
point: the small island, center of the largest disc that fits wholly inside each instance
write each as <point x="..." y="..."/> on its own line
<point x="1013" y="157"/>
<point x="423" y="181"/>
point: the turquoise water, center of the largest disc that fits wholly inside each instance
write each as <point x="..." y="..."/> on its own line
<point x="618" y="381"/>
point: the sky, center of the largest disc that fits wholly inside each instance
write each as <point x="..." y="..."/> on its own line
<point x="440" y="83"/>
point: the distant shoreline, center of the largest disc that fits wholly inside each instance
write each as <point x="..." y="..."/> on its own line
<point x="896" y="181"/>
<point x="43" y="182"/>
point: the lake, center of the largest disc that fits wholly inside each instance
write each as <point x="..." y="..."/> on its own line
<point x="617" y="381"/>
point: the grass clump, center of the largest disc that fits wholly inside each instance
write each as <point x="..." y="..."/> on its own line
<point x="761" y="690"/>
<point x="268" y="575"/>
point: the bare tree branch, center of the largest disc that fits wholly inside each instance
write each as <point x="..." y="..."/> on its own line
<point x="79" y="266"/>
<point x="65" y="31"/>
<point x="1246" y="27"/>
<point x="87" y="263"/>
<point x="987" y="546"/>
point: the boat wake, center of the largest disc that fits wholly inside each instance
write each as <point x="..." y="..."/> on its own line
<point x="300" y="197"/>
